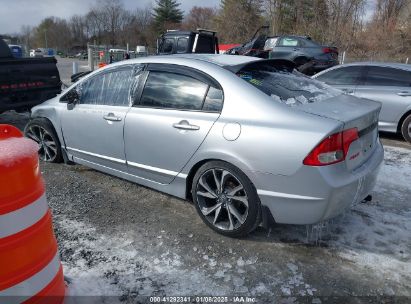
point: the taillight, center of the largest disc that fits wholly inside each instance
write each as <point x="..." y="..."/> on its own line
<point x="327" y="50"/>
<point x="332" y="149"/>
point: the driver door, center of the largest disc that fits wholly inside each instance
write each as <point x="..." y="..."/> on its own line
<point x="93" y="127"/>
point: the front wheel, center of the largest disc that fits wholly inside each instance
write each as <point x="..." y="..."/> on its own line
<point x="406" y="128"/>
<point x="42" y="132"/>
<point x="225" y="199"/>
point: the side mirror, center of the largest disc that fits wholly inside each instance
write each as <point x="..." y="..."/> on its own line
<point x="73" y="96"/>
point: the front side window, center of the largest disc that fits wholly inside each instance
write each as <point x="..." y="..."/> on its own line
<point x="91" y="90"/>
<point x="168" y="45"/>
<point x="270" y="44"/>
<point x="182" y="45"/>
<point x="173" y="91"/>
<point x="343" y="76"/>
<point x="382" y="76"/>
<point x="110" y="89"/>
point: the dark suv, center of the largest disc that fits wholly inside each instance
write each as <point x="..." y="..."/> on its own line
<point x="182" y="42"/>
<point x="299" y="49"/>
<point x="302" y="49"/>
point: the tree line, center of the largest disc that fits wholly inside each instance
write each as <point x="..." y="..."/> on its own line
<point x="364" y="28"/>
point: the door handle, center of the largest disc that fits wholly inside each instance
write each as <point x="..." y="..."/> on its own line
<point x="348" y="91"/>
<point x="185" y="125"/>
<point x="111" y="117"/>
<point x="404" y="93"/>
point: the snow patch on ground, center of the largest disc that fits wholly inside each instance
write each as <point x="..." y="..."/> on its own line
<point x="103" y="265"/>
<point x="397" y="168"/>
<point x="373" y="235"/>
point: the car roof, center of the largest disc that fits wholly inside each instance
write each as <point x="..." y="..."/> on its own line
<point x="227" y="62"/>
<point x="380" y="64"/>
<point x="216" y="59"/>
<point x="219" y="59"/>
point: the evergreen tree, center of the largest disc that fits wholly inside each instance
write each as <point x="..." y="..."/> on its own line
<point x="166" y="13"/>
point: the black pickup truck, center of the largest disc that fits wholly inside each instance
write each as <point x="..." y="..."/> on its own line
<point x="182" y="42"/>
<point x="26" y="82"/>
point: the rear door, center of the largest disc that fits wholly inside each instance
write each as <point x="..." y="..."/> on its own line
<point x="171" y="117"/>
<point x="286" y="48"/>
<point x="391" y="87"/>
<point x="93" y="128"/>
<point x="343" y="78"/>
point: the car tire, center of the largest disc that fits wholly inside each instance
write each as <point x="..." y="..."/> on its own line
<point x="232" y="209"/>
<point x="42" y="132"/>
<point x="406" y="128"/>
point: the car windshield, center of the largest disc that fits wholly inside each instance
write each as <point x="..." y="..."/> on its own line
<point x="292" y="89"/>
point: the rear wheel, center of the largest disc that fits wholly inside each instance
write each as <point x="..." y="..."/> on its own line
<point x="43" y="133"/>
<point x="225" y="199"/>
<point x="406" y="128"/>
<point x="299" y="61"/>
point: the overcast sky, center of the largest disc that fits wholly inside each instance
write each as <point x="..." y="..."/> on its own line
<point x="15" y="13"/>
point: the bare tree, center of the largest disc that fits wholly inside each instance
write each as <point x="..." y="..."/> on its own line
<point x="26" y="35"/>
<point x="200" y="17"/>
<point x="238" y="19"/>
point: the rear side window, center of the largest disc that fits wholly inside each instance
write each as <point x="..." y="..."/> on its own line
<point x="382" y="76"/>
<point x="173" y="91"/>
<point x="288" y="41"/>
<point x="290" y="88"/>
<point x="343" y="76"/>
<point x="214" y="100"/>
<point x="110" y="89"/>
<point x="205" y="44"/>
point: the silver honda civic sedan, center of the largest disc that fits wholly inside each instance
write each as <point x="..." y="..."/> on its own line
<point x="388" y="83"/>
<point x="245" y="139"/>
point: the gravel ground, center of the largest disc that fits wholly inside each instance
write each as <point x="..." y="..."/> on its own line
<point x="128" y="242"/>
<point x="120" y="242"/>
<point x="117" y="238"/>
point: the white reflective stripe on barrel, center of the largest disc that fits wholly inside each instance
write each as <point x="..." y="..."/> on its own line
<point x="33" y="285"/>
<point x="23" y="218"/>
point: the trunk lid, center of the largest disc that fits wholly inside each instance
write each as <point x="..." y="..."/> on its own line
<point x="352" y="112"/>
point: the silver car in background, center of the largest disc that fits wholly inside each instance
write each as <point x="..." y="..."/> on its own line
<point x="245" y="139"/>
<point x="388" y="83"/>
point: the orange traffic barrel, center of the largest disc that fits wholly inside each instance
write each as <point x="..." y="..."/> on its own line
<point x="30" y="267"/>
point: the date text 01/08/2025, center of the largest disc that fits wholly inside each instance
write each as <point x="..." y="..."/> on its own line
<point x="203" y="299"/>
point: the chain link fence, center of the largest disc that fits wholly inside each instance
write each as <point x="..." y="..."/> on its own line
<point x="99" y="55"/>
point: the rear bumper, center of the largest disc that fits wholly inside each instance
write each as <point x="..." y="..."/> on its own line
<point x="314" y="194"/>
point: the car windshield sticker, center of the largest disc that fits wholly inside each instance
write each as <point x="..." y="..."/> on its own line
<point x="250" y="79"/>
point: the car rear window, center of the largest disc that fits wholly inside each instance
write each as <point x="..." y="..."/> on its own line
<point x="384" y="76"/>
<point x="292" y="89"/>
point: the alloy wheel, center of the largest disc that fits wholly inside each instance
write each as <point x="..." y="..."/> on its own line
<point x="222" y="199"/>
<point x="47" y="145"/>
